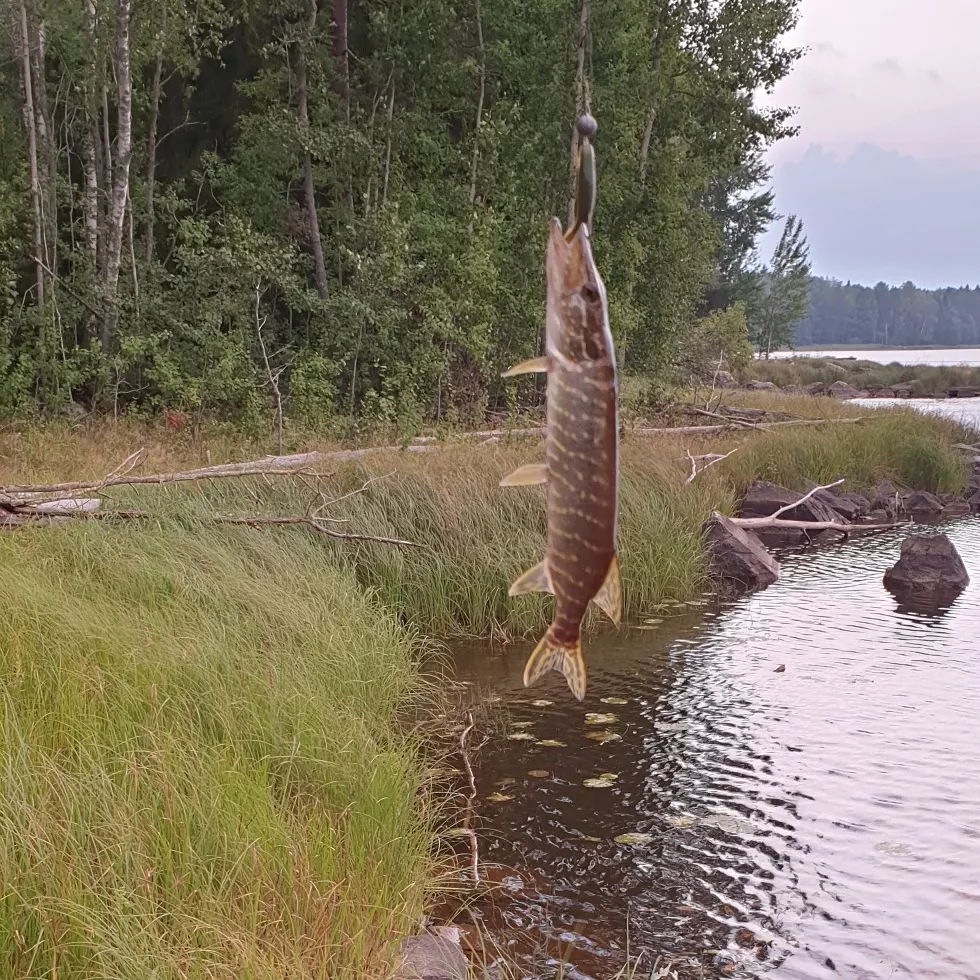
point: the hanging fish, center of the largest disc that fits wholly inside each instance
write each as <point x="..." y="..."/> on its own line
<point x="581" y="467"/>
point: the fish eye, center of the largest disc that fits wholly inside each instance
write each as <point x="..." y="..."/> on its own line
<point x="592" y="295"/>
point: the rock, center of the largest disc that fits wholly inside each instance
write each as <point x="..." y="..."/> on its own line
<point x="957" y="508"/>
<point x="724" y="379"/>
<point x="841" y="389"/>
<point x="794" y="390"/>
<point x="877" y="517"/>
<point x="964" y="391"/>
<point x="903" y="390"/>
<point x="922" y="503"/>
<point x="887" y="499"/>
<point x="816" y="388"/>
<point x="760" y="386"/>
<point x="850" y="506"/>
<point x="973" y="499"/>
<point x="763" y="499"/>
<point x="434" y="955"/>
<point x="928" y="568"/>
<point x="738" y="556"/>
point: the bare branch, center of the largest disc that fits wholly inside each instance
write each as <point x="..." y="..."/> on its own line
<point x="805" y="497"/>
<point x="709" y="460"/>
<point x="753" y="523"/>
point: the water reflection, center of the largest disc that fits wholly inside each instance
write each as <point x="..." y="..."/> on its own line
<point x="786" y="823"/>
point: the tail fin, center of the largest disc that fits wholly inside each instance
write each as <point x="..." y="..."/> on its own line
<point x="551" y="654"/>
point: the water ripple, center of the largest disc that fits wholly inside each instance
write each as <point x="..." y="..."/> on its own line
<point x="818" y="821"/>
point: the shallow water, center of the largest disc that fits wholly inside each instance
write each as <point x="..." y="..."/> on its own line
<point x="815" y="822"/>
<point x="966" y="411"/>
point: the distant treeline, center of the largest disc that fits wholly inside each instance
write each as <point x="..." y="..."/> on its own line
<point x="900" y="316"/>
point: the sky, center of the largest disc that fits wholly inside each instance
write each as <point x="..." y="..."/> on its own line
<point x="885" y="172"/>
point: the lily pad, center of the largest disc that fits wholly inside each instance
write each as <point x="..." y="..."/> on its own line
<point x="653" y="621"/>
<point x="600" y="718"/>
<point x="499" y="797"/>
<point x="598" y="783"/>
<point x="633" y="838"/>
<point x="551" y="743"/>
<point x="521" y="724"/>
<point x="592" y="840"/>
<point x="680" y="820"/>
<point x="539" y="773"/>
<point x="604" y="736"/>
<point x="521" y="737"/>
<point x="615" y="700"/>
<point x="542" y="703"/>
<point x="646" y="628"/>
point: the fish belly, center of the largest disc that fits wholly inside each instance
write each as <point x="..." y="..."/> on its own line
<point x="582" y="458"/>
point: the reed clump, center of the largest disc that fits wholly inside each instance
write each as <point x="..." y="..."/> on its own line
<point x="204" y="770"/>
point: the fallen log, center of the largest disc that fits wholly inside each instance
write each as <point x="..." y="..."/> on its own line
<point x="684" y="430"/>
<point x="753" y="523"/>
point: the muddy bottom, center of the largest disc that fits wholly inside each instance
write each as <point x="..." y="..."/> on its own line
<point x="785" y="787"/>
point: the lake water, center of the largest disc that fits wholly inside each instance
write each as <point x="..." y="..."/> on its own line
<point x="967" y="356"/>
<point x="813" y="822"/>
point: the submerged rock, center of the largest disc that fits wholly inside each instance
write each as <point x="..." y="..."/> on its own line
<point x="929" y="569"/>
<point x="738" y="557"/>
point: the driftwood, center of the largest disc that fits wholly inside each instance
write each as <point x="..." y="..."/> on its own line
<point x="684" y="430"/>
<point x="707" y="460"/>
<point x="775" y="520"/>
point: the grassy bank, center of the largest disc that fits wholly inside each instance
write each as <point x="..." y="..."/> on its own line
<point x="926" y="380"/>
<point x="478" y="537"/>
<point x="203" y="771"/>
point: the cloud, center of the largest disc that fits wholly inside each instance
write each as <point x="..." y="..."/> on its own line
<point x="826" y="48"/>
<point x="890" y="66"/>
<point x="934" y="76"/>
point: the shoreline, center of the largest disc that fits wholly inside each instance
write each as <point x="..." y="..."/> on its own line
<point x="374" y="606"/>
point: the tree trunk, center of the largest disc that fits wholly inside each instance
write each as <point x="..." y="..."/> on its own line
<point x="482" y="70"/>
<point x="120" y="177"/>
<point x="583" y="102"/>
<point x="151" y="153"/>
<point x="309" y="191"/>
<point x="341" y="84"/>
<point x="30" y="123"/>
<point x="391" y="116"/>
<point x="656" y="49"/>
<point x="46" y="152"/>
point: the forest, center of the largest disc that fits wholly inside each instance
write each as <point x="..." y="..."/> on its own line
<point x="892" y="316"/>
<point x="234" y="210"/>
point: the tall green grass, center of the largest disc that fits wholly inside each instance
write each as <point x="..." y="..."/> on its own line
<point x="203" y="772"/>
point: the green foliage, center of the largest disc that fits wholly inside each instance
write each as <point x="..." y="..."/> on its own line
<point x="432" y="218"/>
<point x="784" y="300"/>
<point x="891" y="316"/>
<point x="723" y="334"/>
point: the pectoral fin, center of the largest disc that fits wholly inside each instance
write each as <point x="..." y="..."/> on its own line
<point x="529" y="475"/>
<point x="535" y="365"/>
<point x="609" y="598"/>
<point x="534" y="579"/>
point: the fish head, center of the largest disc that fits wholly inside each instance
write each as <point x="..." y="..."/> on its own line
<point x="577" y="315"/>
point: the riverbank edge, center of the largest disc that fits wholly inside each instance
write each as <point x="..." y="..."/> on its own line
<point x="490" y="534"/>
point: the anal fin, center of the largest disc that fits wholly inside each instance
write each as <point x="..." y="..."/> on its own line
<point x="609" y="598"/>
<point x="534" y="579"/>
<point x="529" y="475"/>
<point x="535" y="365"/>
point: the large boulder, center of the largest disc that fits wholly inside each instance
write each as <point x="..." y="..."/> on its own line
<point x="738" y="557"/>
<point x="841" y="389"/>
<point x="760" y="386"/>
<point x="928" y="569"/>
<point x="816" y="388"/>
<point x="724" y="379"/>
<point x="763" y="499"/>
<point x="923" y="504"/>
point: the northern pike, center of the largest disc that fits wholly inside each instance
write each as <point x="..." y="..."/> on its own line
<point x="581" y="467"/>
